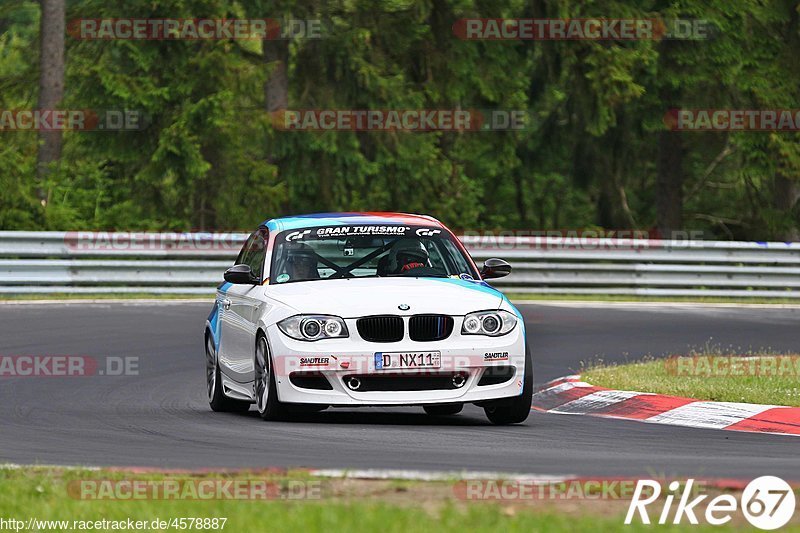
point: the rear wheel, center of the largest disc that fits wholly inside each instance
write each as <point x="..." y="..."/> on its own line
<point x="266" y="393"/>
<point x="216" y="398"/>
<point x="446" y="409"/>
<point x="514" y="410"/>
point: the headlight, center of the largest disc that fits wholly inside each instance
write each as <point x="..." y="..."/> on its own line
<point x="491" y="323"/>
<point x="313" y="327"/>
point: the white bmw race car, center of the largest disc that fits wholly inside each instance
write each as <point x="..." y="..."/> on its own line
<point x="354" y="309"/>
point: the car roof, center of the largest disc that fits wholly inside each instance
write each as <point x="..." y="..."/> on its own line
<point x="341" y="219"/>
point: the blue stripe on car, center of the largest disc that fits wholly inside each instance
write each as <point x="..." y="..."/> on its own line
<point x="213" y="320"/>
<point x="481" y="286"/>
<point x="486" y="288"/>
<point x="223" y="288"/>
<point x="339" y="219"/>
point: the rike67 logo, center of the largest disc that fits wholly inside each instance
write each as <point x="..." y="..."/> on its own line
<point x="767" y="502"/>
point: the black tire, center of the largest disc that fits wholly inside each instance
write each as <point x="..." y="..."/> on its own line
<point x="446" y="409"/>
<point x="514" y="410"/>
<point x="216" y="397"/>
<point x="264" y="388"/>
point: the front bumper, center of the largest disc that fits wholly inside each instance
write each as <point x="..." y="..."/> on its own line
<point x="477" y="359"/>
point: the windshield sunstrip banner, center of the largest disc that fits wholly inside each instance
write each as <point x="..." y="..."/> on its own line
<point x="327" y="232"/>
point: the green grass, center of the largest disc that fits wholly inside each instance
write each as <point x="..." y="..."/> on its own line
<point x="764" y="379"/>
<point x="344" y="506"/>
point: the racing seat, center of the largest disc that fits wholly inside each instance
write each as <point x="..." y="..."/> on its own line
<point x="383" y="266"/>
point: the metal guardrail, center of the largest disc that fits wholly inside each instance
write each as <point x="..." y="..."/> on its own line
<point x="192" y="263"/>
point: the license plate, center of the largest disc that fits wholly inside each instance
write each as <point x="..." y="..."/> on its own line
<point x="399" y="360"/>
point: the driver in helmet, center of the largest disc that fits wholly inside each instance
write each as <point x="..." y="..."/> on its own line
<point x="407" y="254"/>
<point x="301" y="262"/>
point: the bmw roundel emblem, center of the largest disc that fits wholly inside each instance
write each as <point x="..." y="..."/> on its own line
<point x="404" y="307"/>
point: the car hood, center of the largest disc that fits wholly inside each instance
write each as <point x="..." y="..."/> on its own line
<point x="350" y="298"/>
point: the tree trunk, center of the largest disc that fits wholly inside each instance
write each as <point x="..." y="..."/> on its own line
<point x="522" y="210"/>
<point x="669" y="183"/>
<point x="786" y="194"/>
<point x="276" y="88"/>
<point x="669" y="166"/>
<point x="51" y="85"/>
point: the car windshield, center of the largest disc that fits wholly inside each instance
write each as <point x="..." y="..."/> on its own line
<point x="333" y="252"/>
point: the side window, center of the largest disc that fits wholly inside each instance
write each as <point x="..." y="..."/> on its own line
<point x="241" y="259"/>
<point x="254" y="252"/>
<point x="437" y="261"/>
<point x="454" y="257"/>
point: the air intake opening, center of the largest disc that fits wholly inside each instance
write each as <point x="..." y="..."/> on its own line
<point x="310" y="380"/>
<point x="494" y="375"/>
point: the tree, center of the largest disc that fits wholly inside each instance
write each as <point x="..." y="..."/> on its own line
<point x="595" y="152"/>
<point x="51" y="85"/>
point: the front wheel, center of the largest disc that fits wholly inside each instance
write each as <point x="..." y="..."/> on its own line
<point x="514" y="410"/>
<point x="266" y="393"/>
<point x="216" y="398"/>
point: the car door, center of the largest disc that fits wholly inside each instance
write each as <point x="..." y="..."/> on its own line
<point x="239" y="320"/>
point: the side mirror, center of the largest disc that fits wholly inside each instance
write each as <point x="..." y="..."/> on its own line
<point x="241" y="275"/>
<point x="495" y="268"/>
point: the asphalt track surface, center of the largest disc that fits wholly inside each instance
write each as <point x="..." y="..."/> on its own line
<point x="160" y="418"/>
